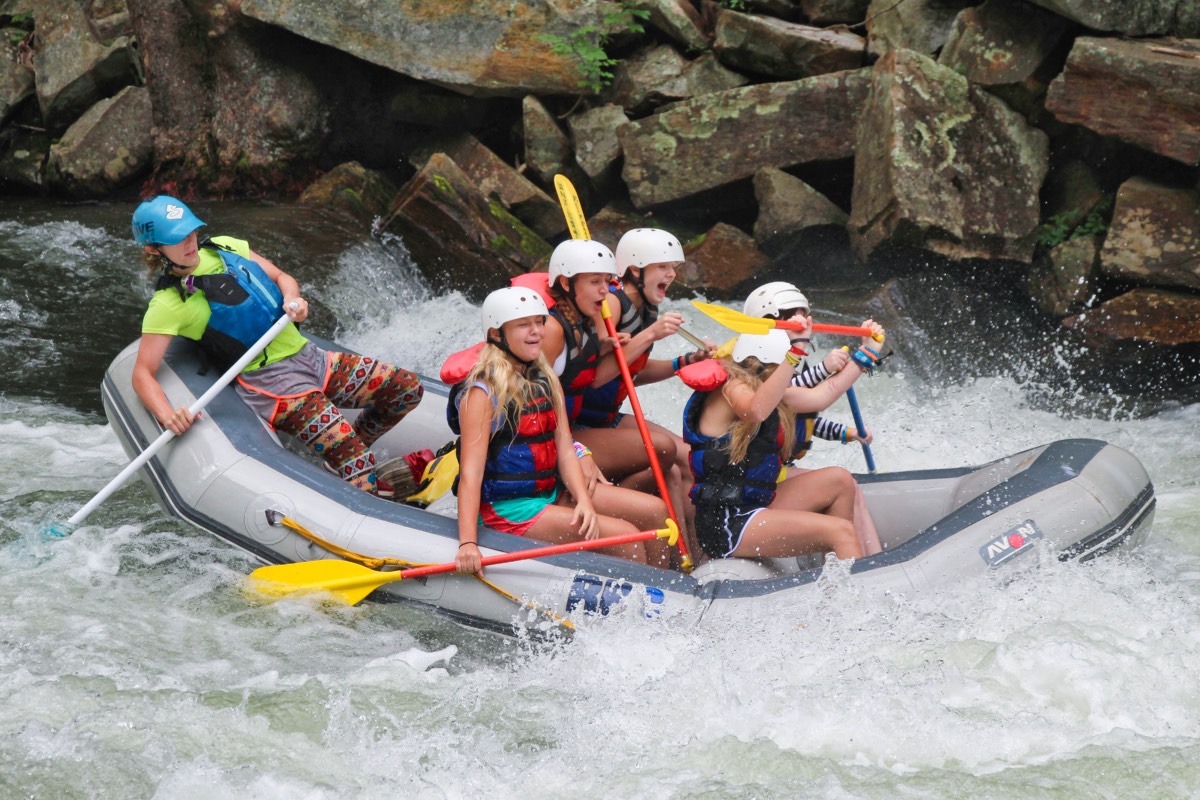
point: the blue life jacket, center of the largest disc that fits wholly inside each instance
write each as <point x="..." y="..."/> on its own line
<point x="751" y="481"/>
<point x="522" y="457"/>
<point x="601" y="404"/>
<point x="244" y="301"/>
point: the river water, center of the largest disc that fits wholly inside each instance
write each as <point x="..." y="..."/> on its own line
<point x="132" y="664"/>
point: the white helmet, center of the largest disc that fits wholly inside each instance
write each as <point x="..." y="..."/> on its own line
<point x="578" y="256"/>
<point x="769" y="347"/>
<point x="770" y="299"/>
<point x="511" y="302"/>
<point x="642" y="246"/>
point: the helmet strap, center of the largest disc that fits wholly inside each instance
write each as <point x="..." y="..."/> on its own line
<point x="503" y="345"/>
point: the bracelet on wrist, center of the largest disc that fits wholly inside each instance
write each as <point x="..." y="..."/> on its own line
<point x="581" y="450"/>
<point x="675" y="364"/>
<point x="845" y="434"/>
<point x="464" y="544"/>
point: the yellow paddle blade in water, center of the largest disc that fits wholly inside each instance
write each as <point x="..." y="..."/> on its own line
<point x="345" y="580"/>
<point x="736" y="320"/>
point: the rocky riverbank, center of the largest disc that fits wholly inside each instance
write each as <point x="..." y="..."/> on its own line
<point x="838" y="143"/>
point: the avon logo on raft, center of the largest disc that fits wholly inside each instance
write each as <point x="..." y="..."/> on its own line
<point x="1011" y="543"/>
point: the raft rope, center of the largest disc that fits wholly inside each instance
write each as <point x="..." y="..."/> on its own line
<point x="376" y="563"/>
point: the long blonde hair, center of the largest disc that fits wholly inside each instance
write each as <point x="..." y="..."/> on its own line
<point x="753" y="372"/>
<point x="511" y="386"/>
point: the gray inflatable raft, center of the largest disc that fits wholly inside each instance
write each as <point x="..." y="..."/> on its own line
<point x="1077" y="497"/>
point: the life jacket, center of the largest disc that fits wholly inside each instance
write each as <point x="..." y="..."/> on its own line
<point x="522" y="457"/>
<point x="805" y="423"/>
<point x="718" y="481"/>
<point x="709" y="374"/>
<point x="601" y="404"/>
<point x="244" y="301"/>
<point x="583" y="357"/>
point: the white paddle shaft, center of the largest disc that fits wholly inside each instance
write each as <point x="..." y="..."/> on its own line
<point x="194" y="409"/>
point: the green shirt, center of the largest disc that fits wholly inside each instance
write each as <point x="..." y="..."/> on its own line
<point x="167" y="314"/>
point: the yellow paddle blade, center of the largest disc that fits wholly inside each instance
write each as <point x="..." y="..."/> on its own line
<point x="345" y="580"/>
<point x="571" y="208"/>
<point x="736" y="320"/>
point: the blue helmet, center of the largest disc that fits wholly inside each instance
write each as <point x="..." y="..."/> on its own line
<point x="163" y="220"/>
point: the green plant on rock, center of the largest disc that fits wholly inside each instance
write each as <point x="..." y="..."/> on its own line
<point x="587" y="44"/>
<point x="1061" y="227"/>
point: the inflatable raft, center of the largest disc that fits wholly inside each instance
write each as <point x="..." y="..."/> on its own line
<point x="232" y="476"/>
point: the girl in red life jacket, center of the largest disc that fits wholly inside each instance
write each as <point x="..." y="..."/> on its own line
<point x="580" y="273"/>
<point x="647" y="259"/>
<point x="740" y="512"/>
<point x="516" y="448"/>
<point x="782" y="300"/>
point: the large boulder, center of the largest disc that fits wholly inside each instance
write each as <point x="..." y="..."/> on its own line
<point x="361" y="193"/>
<point x="72" y="68"/>
<point x="1146" y="93"/>
<point x="1154" y="236"/>
<point x="1143" y="326"/>
<point x="1061" y="279"/>
<point x="826" y="12"/>
<point x="803" y="232"/>
<point x="678" y="19"/>
<point x="547" y="146"/>
<point x="16" y="79"/>
<point x="105" y="149"/>
<point x="920" y="25"/>
<point x="500" y="47"/>
<point x="495" y="178"/>
<point x="1131" y="17"/>
<point x="1001" y="42"/>
<point x="722" y="262"/>
<point x="784" y="50"/>
<point x="712" y="141"/>
<point x="597" y="148"/>
<point x="659" y="74"/>
<point x="456" y="236"/>
<point x="944" y="166"/>
<point x="22" y="156"/>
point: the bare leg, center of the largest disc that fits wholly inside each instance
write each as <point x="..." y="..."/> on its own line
<point x="775" y="533"/>
<point x="829" y="490"/>
<point x="864" y="526"/>
<point x="611" y="445"/>
<point x="644" y="511"/>
<point x="555" y="526"/>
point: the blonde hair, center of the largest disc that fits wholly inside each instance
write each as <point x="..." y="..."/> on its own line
<point x="152" y="261"/>
<point x="511" y="387"/>
<point x="752" y="372"/>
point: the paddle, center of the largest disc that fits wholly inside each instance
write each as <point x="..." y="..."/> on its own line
<point x="651" y="453"/>
<point x="577" y="226"/>
<point x="353" y="582"/>
<point x="67" y="528"/>
<point x="744" y="323"/>
<point x="862" y="429"/>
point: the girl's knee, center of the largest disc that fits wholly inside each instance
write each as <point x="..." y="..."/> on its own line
<point x="844" y="540"/>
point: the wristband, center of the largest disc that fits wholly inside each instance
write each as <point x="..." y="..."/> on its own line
<point x="581" y="450"/>
<point x="794" y="355"/>
<point x="845" y="432"/>
<point x="464" y="544"/>
<point x="675" y="364"/>
<point x="863" y="359"/>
